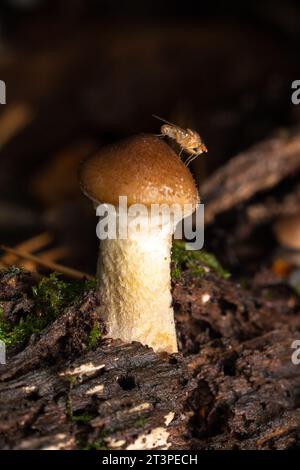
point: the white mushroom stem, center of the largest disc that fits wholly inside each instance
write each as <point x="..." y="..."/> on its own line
<point x="135" y="286"/>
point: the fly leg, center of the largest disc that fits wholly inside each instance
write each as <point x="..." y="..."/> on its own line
<point x="191" y="158"/>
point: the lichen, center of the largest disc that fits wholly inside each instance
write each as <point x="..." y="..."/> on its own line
<point x="196" y="262"/>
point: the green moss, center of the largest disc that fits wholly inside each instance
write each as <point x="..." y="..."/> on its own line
<point x="296" y="289"/>
<point x="13" y="270"/>
<point x="21" y="332"/>
<point x="69" y="406"/>
<point x="81" y="418"/>
<point x="141" y="422"/>
<point x="269" y="295"/>
<point x="196" y="262"/>
<point x="52" y="295"/>
<point x="98" y="444"/>
<point x="72" y="381"/>
<point x="2" y="325"/>
<point x="90" y="284"/>
<point x="94" y="336"/>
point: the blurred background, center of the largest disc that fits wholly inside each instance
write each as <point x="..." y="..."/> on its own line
<point x="83" y="73"/>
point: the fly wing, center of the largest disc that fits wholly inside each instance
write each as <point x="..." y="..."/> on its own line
<point x="194" y="134"/>
<point x="165" y="121"/>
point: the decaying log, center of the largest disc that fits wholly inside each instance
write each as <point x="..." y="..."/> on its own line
<point x="275" y="205"/>
<point x="55" y="393"/>
<point x="248" y="389"/>
<point x="254" y="171"/>
<point x="255" y="399"/>
<point x="233" y="385"/>
<point x="119" y="396"/>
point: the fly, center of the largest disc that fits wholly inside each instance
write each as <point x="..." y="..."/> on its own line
<point x="189" y="141"/>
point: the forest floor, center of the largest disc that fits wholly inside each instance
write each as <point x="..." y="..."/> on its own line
<point x="233" y="384"/>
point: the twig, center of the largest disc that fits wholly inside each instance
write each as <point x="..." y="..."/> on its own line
<point x="51" y="255"/>
<point x="54" y="254"/>
<point x="74" y="273"/>
<point x="28" y="246"/>
<point x="256" y="170"/>
<point x="278" y="432"/>
<point x="13" y="120"/>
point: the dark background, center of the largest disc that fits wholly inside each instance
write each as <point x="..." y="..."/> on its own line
<point x="85" y="73"/>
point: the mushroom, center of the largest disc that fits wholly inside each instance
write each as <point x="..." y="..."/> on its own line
<point x="133" y="273"/>
<point x="287" y="231"/>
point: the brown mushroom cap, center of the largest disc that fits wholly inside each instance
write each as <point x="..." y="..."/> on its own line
<point x="287" y="231"/>
<point x="143" y="168"/>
